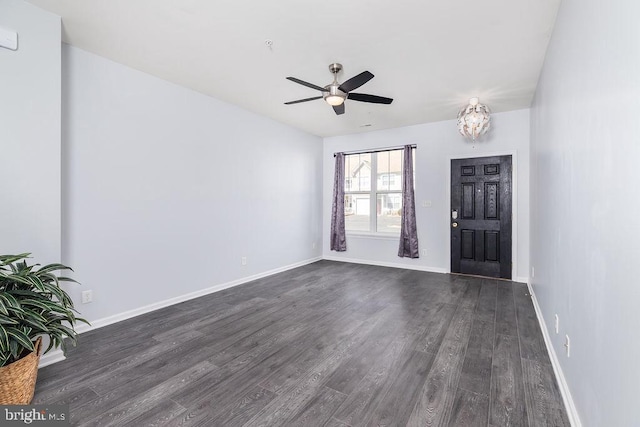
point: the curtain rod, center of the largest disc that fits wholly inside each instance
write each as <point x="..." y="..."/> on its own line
<point x="377" y="150"/>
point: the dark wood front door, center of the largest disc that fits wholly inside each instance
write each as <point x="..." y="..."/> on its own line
<point x="480" y="216"/>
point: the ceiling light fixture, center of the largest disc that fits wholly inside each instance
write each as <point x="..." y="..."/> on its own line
<point x="474" y="120"/>
<point x="334" y="100"/>
<point x="334" y="96"/>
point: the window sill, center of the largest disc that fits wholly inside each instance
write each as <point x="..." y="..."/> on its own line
<point x="366" y="235"/>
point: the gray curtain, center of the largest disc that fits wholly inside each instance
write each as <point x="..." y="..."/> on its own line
<point x="408" y="229"/>
<point x="338" y="237"/>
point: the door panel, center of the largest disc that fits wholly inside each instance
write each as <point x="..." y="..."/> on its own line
<point x="481" y="216"/>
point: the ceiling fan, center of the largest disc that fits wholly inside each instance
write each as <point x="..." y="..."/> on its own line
<point x="336" y="93"/>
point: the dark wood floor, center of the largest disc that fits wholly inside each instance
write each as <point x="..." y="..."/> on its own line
<point x="328" y="344"/>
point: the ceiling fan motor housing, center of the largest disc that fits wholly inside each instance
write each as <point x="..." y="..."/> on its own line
<point x="333" y="91"/>
<point x="334" y="96"/>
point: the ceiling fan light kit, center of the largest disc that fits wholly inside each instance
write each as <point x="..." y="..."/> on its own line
<point x="336" y="93"/>
<point x="474" y="120"/>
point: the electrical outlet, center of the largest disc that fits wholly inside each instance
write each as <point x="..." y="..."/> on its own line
<point x="533" y="272"/>
<point x="87" y="297"/>
<point x="567" y="345"/>
<point x="243" y="260"/>
<point x="313" y="246"/>
<point x="423" y="252"/>
<point x="557" y="326"/>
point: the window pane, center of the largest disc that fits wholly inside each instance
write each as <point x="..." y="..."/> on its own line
<point x="356" y="212"/>
<point x="357" y="172"/>
<point x="389" y="209"/>
<point x="383" y="171"/>
<point x="389" y="176"/>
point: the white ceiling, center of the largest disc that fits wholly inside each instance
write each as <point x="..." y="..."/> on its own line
<point x="431" y="56"/>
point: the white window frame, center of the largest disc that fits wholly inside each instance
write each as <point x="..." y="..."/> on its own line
<point x="373" y="198"/>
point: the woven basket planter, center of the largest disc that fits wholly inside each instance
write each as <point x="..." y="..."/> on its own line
<point x="18" y="379"/>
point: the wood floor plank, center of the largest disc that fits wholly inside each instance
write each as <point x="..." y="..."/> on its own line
<point x="542" y="396"/>
<point x="168" y="360"/>
<point x="118" y="407"/>
<point x="319" y="410"/>
<point x="507" y="387"/>
<point x="436" y="326"/>
<point x="486" y="308"/>
<point x="156" y="416"/>
<point x="242" y="410"/>
<point x="196" y="322"/>
<point x="335" y="423"/>
<point x="470" y="409"/>
<point x="505" y="310"/>
<point x="347" y="376"/>
<point x="321" y="346"/>
<point x="476" y="370"/>
<point x="532" y="344"/>
<point x="370" y="390"/>
<point x="206" y="398"/>
<point x="294" y="397"/>
<point x="329" y="343"/>
<point x="435" y="405"/>
<point x="77" y="375"/>
<point x="394" y="408"/>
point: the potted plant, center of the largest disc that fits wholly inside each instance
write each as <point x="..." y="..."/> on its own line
<point x="32" y="304"/>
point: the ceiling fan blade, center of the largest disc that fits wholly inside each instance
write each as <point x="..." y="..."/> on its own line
<point x="339" y="109"/>
<point x="363" y="97"/>
<point x="303" y="100"/>
<point x="307" y="84"/>
<point x="356" y="82"/>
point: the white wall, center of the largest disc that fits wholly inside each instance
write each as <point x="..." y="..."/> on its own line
<point x="30" y="133"/>
<point x="437" y="144"/>
<point x="165" y="189"/>
<point x="585" y="234"/>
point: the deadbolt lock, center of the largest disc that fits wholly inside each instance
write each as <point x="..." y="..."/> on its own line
<point x="454" y="224"/>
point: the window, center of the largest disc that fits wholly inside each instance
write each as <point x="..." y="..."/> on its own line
<point x="373" y="192"/>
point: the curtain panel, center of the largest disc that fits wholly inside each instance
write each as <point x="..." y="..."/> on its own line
<point x="338" y="237"/>
<point x="408" y="229"/>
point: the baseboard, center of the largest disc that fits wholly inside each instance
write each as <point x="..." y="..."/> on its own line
<point x="100" y="323"/>
<point x="385" y="264"/>
<point x="54" y="356"/>
<point x="521" y="279"/>
<point x="572" y="411"/>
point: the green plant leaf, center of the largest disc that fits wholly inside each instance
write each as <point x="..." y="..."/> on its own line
<point x="21" y="338"/>
<point x="3" y="308"/>
<point x="17" y="312"/>
<point x="65" y="330"/>
<point x="10" y="259"/>
<point x="4" y="320"/>
<point x="4" y="358"/>
<point x="44" y="304"/>
<point x="80" y="319"/>
<point x="52" y="267"/>
<point x="37" y="283"/>
<point x="24" y="292"/>
<point x="4" y="339"/>
<point x="9" y="300"/>
<point x="16" y="277"/>
<point x="39" y="326"/>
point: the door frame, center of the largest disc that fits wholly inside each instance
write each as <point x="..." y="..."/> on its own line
<point x="514" y="204"/>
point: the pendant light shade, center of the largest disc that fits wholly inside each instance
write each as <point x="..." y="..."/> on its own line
<point x="474" y="120"/>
